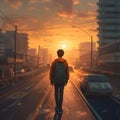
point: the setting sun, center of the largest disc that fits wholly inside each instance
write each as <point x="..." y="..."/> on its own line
<point x="63" y="46"/>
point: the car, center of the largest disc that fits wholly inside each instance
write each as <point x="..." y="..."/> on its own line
<point x="20" y="70"/>
<point x="81" y="67"/>
<point x="95" y="84"/>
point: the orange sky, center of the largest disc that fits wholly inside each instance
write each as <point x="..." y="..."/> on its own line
<point x="49" y="22"/>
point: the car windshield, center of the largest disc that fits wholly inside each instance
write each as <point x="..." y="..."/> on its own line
<point x="97" y="78"/>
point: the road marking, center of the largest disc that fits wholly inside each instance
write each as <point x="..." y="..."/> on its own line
<point x="34" y="115"/>
<point x="10" y="106"/>
<point x="17" y="95"/>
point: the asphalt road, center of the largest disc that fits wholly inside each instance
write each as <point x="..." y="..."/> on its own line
<point x="35" y="101"/>
<point x="73" y="106"/>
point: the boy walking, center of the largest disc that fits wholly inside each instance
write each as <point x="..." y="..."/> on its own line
<point x="59" y="76"/>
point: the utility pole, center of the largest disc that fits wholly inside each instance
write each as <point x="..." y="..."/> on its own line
<point x="38" y="54"/>
<point x="91" y="40"/>
<point x="91" y="56"/>
<point x="15" y="52"/>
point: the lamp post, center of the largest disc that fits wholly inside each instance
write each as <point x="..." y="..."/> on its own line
<point x="91" y="40"/>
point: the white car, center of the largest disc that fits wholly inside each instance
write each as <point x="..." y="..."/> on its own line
<point x="95" y="84"/>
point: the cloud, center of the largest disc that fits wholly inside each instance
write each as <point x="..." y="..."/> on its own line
<point x="46" y="8"/>
<point x="15" y="3"/>
<point x="32" y="1"/>
<point x="76" y="2"/>
<point x="92" y="4"/>
<point x="18" y="3"/>
<point x="28" y="24"/>
<point x="82" y="14"/>
<point x="88" y="15"/>
<point x="46" y="0"/>
<point x="65" y="7"/>
<point x="66" y="15"/>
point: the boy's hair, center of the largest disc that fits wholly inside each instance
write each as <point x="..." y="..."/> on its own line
<point x="60" y="53"/>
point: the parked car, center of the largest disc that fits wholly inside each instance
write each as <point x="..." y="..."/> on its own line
<point x="95" y="84"/>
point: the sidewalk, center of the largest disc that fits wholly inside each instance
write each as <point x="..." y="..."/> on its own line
<point x="74" y="106"/>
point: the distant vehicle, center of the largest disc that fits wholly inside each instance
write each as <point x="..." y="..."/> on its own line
<point x="81" y="67"/>
<point x="95" y="84"/>
<point x="70" y="68"/>
<point x="20" y="70"/>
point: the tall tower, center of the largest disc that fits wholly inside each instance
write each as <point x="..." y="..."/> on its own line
<point x="108" y="21"/>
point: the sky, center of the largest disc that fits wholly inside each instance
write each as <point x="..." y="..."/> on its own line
<point x="49" y="23"/>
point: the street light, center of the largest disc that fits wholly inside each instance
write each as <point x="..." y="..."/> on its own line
<point x="91" y="39"/>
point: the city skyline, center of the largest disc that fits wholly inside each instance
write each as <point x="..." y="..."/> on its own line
<point x="49" y="22"/>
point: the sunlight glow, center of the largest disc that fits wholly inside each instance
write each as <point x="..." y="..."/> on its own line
<point x="63" y="46"/>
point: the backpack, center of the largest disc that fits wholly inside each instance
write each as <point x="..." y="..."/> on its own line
<point x="60" y="73"/>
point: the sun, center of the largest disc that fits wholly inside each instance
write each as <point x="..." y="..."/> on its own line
<point x="63" y="46"/>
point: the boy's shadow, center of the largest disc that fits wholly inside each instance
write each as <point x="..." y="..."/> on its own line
<point x="57" y="116"/>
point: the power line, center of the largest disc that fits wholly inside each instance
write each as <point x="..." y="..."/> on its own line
<point x="6" y="18"/>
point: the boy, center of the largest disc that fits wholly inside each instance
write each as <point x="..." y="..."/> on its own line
<point x="59" y="76"/>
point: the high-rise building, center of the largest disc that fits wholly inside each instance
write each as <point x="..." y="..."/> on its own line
<point x="21" y="42"/>
<point x="43" y="56"/>
<point x="108" y="21"/>
<point x="7" y="46"/>
<point x="32" y="56"/>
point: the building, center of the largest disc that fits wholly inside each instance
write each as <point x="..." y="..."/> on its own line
<point x="108" y="21"/>
<point x="2" y="48"/>
<point x="87" y="53"/>
<point x="7" y="47"/>
<point x="43" y="57"/>
<point x="109" y="35"/>
<point x="2" y="43"/>
<point x="109" y="57"/>
<point x="32" y="57"/>
<point x="11" y="58"/>
<point x="21" y="44"/>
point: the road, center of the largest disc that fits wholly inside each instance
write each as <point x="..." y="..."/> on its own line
<point x="33" y="99"/>
<point x="73" y="105"/>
